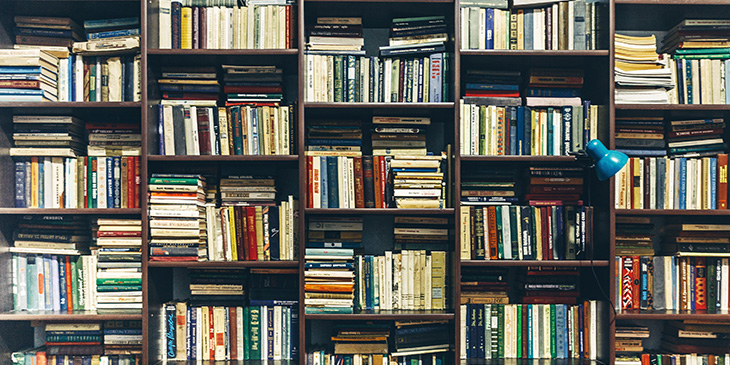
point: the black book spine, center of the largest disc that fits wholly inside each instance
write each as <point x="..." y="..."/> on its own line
<point x="274" y="233"/>
<point x="176" y="17"/>
<point x="368" y="181"/>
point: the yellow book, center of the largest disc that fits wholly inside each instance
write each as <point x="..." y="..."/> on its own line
<point x="180" y="313"/>
<point x="232" y="235"/>
<point x="438" y="280"/>
<point x="186" y="28"/>
<point x="34" y="182"/>
<point x="259" y="233"/>
<point x="219" y="329"/>
<point x="538" y="233"/>
<point x="265" y="146"/>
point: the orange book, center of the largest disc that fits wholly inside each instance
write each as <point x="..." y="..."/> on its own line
<point x="251" y="226"/>
<point x="359" y="187"/>
<point x="376" y="178"/>
<point x="335" y="288"/>
<point x="700" y="283"/>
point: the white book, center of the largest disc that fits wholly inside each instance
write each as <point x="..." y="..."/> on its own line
<point x="351" y="182"/>
<point x="115" y="78"/>
<point x="101" y="172"/>
<point x="98" y="79"/>
<point x="168" y="131"/>
<point x="239" y="332"/>
<point x="341" y="176"/>
<point x="62" y="84"/>
<point x="79" y="78"/>
<point x="195" y="144"/>
<point x="72" y="181"/>
<point x="571" y="25"/>
<point x="428" y="282"/>
<point x="506" y="234"/>
<point x="165" y="24"/>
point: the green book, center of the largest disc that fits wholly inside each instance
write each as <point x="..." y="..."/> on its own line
<point x="32" y="274"/>
<point x="513" y="233"/>
<point x="255" y="333"/>
<point x="246" y="333"/>
<point x="702" y="56"/>
<point x="75" y="284"/>
<point x="127" y="281"/>
<point x="108" y="288"/>
<point x="701" y="51"/>
<point x="358" y="79"/>
<point x="92" y="79"/>
<point x="500" y="244"/>
<point x="80" y="280"/>
<point x="174" y="181"/>
<point x="553" y="349"/>
<point x="482" y="130"/>
<point x="500" y="333"/>
<point x="519" y="331"/>
<point x="351" y="64"/>
<point x="446" y="65"/>
<point x="494" y="335"/>
<point x="338" y="78"/>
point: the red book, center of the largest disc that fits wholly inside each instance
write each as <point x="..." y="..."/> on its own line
<point x="203" y="131"/>
<point x="635" y="281"/>
<point x="700" y="283"/>
<point x="627" y="301"/>
<point x="69" y="288"/>
<point x="129" y="184"/>
<point x="490" y="93"/>
<point x="189" y="96"/>
<point x="118" y="234"/>
<point x="241" y="233"/>
<point x="722" y="181"/>
<point x="251" y="224"/>
<point x="359" y="187"/>
<point x="211" y="333"/>
<point x="376" y="178"/>
<point x="173" y="258"/>
<point x="203" y="24"/>
<point x="86" y="185"/>
<point x="136" y="181"/>
<point x="232" y="315"/>
<point x="235" y="89"/>
<point x="383" y="181"/>
<point x="492" y="233"/>
<point x="20" y="84"/>
<point x="310" y="183"/>
<point x="550" y="238"/>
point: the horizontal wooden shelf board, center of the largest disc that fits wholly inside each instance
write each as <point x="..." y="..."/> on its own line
<point x="218" y="158"/>
<point x="511" y="158"/>
<point x="699" y="212"/>
<point x="223" y="264"/>
<point x="529" y="362"/>
<point x="548" y="263"/>
<point x="222" y="52"/>
<point x="241" y="362"/>
<point x="673" y="107"/>
<point x="524" y="52"/>
<point x="313" y="105"/>
<point x="674" y="315"/>
<point x="381" y="1"/>
<point x="71" y="317"/>
<point x="672" y="2"/>
<point x="45" y="211"/>
<point x="381" y="211"/>
<point x="384" y="315"/>
<point x="71" y="104"/>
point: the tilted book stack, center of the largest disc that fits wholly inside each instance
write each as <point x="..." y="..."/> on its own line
<point x="73" y="339"/>
<point x="47" y="31"/>
<point x="630" y="338"/>
<point x="118" y="245"/>
<point x="550" y="285"/>
<point x="123" y="338"/>
<point x="641" y="76"/>
<point x="176" y="217"/>
<point x="336" y="35"/>
<point x="416" y="36"/>
<point x="696" y="336"/>
<point x="181" y="84"/>
<point x="484" y="286"/>
<point x="28" y="75"/>
<point x="418" y="182"/>
<point x="696" y="138"/>
<point x="640" y="136"/>
<point x="412" y="339"/>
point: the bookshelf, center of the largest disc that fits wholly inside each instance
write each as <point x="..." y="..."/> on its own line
<point x="644" y="17"/>
<point x="159" y="277"/>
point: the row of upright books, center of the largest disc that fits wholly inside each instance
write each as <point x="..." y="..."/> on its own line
<point x="355" y="78"/>
<point x="672" y="183"/>
<point x="194" y="25"/>
<point x="651" y="136"/>
<point x="235" y="130"/>
<point x="519" y="130"/>
<point x="533" y="331"/>
<point x="220" y="333"/>
<point x="567" y="25"/>
<point x="54" y="271"/>
<point x="525" y="233"/>
<point x="337" y="180"/>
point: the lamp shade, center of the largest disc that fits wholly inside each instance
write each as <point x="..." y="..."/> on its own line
<point x="608" y="163"/>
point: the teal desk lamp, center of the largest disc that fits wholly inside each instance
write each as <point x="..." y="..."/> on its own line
<point x="607" y="163"/>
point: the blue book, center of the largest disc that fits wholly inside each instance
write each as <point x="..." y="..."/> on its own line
<point x="113" y="33"/>
<point x="111" y="23"/>
<point x="41" y="179"/>
<point x="512" y="130"/>
<point x="109" y="182"/>
<point x="528" y="131"/>
<point x="20" y="69"/>
<point x="530" y="354"/>
<point x="661" y="181"/>
<point x="713" y="183"/>
<point x="329" y="265"/>
<point x="62" y="281"/>
<point x="550" y="129"/>
<point x="481" y="342"/>
<point x="489" y="43"/>
<point x="581" y="327"/>
<point x="117" y="182"/>
<point x="688" y="81"/>
<point x="528" y="15"/>
<point x="680" y="81"/>
<point x="483" y="86"/>
<point x="161" y="130"/>
<point x="567" y="113"/>
<point x="727" y="82"/>
<point x="367" y="280"/>
<point x="642" y="153"/>
<point x="470" y="332"/>
<point x="20" y="92"/>
<point x="520" y="130"/>
<point x="692" y="265"/>
<point x="71" y="78"/>
<point x="193" y="328"/>
<point x="20" y="184"/>
<point x="333" y="188"/>
<point x="324" y="182"/>
<point x="560" y="233"/>
<point x="682" y="183"/>
<point x="254" y="133"/>
<point x="560" y="323"/>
